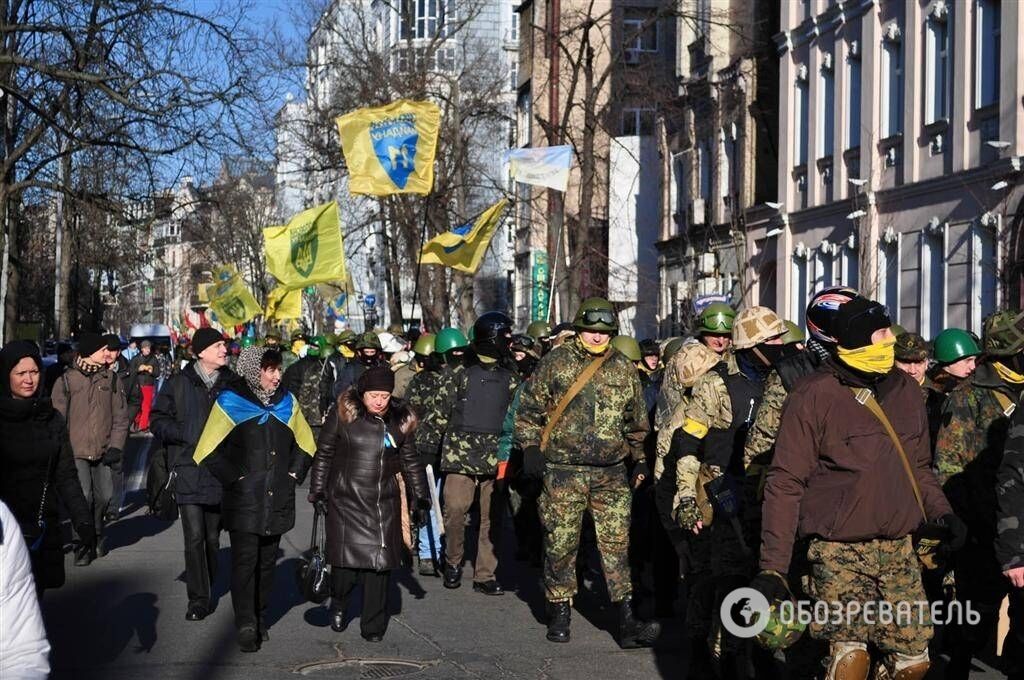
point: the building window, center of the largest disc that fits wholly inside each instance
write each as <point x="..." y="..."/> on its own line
<point x="727" y="152"/>
<point x="640" y="32"/>
<point x="423" y="19"/>
<point x="431" y="59"/>
<point x="983" y="273"/>
<point x="933" y="284"/>
<point x="826" y="108"/>
<point x="987" y="46"/>
<point x="936" y="77"/>
<point x="704" y="168"/>
<point x="513" y="31"/>
<point x="798" y="287"/>
<point x="637" y="121"/>
<point x="802" y="112"/>
<point x="513" y="74"/>
<point x="853" y="101"/>
<point x="910" y="292"/>
<point x="823" y="275"/>
<point x="892" y="83"/>
<point x="680" y="191"/>
<point x="703" y="19"/>
<point x="849" y="275"/>
<point x="524" y="115"/>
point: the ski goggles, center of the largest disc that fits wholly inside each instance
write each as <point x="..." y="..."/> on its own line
<point x="595" y="316"/>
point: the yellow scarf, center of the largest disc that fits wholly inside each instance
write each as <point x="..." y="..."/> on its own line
<point x="876" y="358"/>
<point x="484" y="359"/>
<point x="594" y="349"/>
<point x="1008" y="374"/>
<point x="346" y="352"/>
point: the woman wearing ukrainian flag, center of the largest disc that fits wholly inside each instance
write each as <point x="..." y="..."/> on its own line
<point x="259" y="446"/>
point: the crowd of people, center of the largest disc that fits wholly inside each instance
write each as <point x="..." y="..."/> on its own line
<point x="855" y="462"/>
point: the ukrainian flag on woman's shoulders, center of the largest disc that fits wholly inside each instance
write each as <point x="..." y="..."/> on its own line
<point x="231" y="410"/>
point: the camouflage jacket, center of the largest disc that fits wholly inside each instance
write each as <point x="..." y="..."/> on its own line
<point x="421" y="394"/>
<point x="603" y="425"/>
<point x="468" y="453"/>
<point x="708" y="407"/>
<point x="1010" y="496"/>
<point x="969" y="448"/>
<point x="761" y="436"/>
<point x="309" y="380"/>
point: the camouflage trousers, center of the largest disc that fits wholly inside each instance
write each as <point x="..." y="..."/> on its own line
<point x="876" y="571"/>
<point x="569" y="491"/>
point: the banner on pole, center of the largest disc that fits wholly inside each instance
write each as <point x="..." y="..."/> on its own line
<point x="540" y="279"/>
<point x="463" y="247"/>
<point x="546" y="166"/>
<point x="230" y="300"/>
<point x="307" y="250"/>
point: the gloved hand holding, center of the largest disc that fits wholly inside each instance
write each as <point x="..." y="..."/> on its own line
<point x="957" y="532"/>
<point x="534" y="462"/>
<point x="641" y="471"/>
<point x="687" y="515"/>
<point x="421" y="515"/>
<point x="772" y="585"/>
<point x="315" y="496"/>
<point x="86" y="533"/>
<point x="112" y="456"/>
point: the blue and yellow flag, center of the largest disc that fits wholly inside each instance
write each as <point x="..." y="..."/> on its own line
<point x="231" y="410"/>
<point x="463" y="247"/>
<point x="307" y="250"/>
<point x="390" y="149"/>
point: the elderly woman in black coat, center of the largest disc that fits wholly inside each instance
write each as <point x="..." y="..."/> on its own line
<point x="365" y="442"/>
<point x="36" y="464"/>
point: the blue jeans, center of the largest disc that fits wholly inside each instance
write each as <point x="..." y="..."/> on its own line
<point x="433" y="532"/>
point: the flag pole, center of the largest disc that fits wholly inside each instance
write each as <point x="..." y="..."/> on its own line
<point x="419" y="264"/>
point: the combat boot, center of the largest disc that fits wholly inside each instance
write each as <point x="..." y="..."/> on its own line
<point x="850" y="661"/>
<point x="452" y="576"/>
<point x="633" y="633"/>
<point x="558" y="624"/>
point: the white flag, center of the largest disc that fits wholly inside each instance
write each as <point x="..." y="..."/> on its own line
<point x="544" y="166"/>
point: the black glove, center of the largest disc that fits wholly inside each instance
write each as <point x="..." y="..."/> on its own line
<point x="86" y="533"/>
<point x="112" y="456"/>
<point x="640" y="470"/>
<point x="957" y="532"/>
<point x="427" y="456"/>
<point x="772" y="585"/>
<point x="421" y="515"/>
<point x="315" y="496"/>
<point x="533" y="462"/>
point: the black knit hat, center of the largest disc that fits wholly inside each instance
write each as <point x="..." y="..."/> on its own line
<point x="376" y="379"/>
<point x="857" y="320"/>
<point x="111" y="341"/>
<point x="10" y="355"/>
<point x="203" y="338"/>
<point x="89" y="344"/>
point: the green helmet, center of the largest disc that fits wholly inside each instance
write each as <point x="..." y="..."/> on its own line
<point x="627" y="346"/>
<point x="538" y="330"/>
<point x="298" y="335"/>
<point x="671" y="348"/>
<point x="346" y="336"/>
<point x="793" y="333"/>
<point x="448" y="339"/>
<point x="424" y="345"/>
<point x="1003" y="333"/>
<point x="368" y="340"/>
<point x="779" y="634"/>
<point x="248" y="341"/>
<point x="953" y="344"/>
<point x="897" y="329"/>
<point x="596" y="314"/>
<point x="716" y="318"/>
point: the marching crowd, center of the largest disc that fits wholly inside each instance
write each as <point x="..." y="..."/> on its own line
<point x="853" y="463"/>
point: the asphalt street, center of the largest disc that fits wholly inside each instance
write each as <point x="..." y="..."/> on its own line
<point x="124" y="617"/>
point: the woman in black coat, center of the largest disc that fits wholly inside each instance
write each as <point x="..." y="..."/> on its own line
<point x="36" y="464"/>
<point x="363" y="445"/>
<point x="258" y="445"/>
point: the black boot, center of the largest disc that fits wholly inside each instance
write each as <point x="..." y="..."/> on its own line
<point x="84" y="555"/>
<point x="558" y="624"/>
<point x="338" y="624"/>
<point x="249" y="639"/>
<point x="452" y="576"/>
<point x="634" y="633"/>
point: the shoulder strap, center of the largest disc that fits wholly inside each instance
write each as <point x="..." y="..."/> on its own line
<point x="574" y="389"/>
<point x="864" y="397"/>
<point x="1005" y="403"/>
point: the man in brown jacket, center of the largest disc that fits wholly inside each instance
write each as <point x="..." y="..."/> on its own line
<point x="837" y="478"/>
<point x="89" y="398"/>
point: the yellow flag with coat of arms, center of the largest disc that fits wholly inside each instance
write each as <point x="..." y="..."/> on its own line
<point x="463" y="247"/>
<point x="230" y="300"/>
<point x="390" y="149"/>
<point x="308" y="249"/>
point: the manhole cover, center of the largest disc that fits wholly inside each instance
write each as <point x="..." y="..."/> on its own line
<point x="364" y="669"/>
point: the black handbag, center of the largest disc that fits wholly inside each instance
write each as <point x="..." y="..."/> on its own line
<point x="160" y="484"/>
<point x="314" y="572"/>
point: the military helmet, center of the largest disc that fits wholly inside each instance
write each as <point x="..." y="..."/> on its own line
<point x="716" y="318"/>
<point x="823" y="309"/>
<point x="492" y="327"/>
<point x="693" y="360"/>
<point x="368" y="340"/>
<point x="671" y="348"/>
<point x="628" y="347"/>
<point x="953" y="344"/>
<point x="297" y="334"/>
<point x="346" y="337"/>
<point x="911" y="347"/>
<point x="779" y="633"/>
<point x="596" y="314"/>
<point x="793" y="333"/>
<point x="538" y="330"/>
<point x="272" y="335"/>
<point x="897" y="330"/>
<point x="650" y="348"/>
<point x="754" y="325"/>
<point x="449" y="338"/>
<point x="424" y="345"/>
<point x="524" y="343"/>
<point x="1003" y="333"/>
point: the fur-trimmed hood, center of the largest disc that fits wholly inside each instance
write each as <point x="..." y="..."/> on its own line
<point x="399" y="413"/>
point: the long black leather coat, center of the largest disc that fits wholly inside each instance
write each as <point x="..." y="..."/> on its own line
<point x="357" y="473"/>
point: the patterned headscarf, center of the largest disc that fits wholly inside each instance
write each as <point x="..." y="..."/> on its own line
<point x="248" y="367"/>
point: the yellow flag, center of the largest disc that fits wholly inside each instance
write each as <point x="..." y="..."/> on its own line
<point x="230" y="300"/>
<point x="284" y="303"/>
<point x="308" y="249"/>
<point x="463" y="247"/>
<point x="390" y="149"/>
